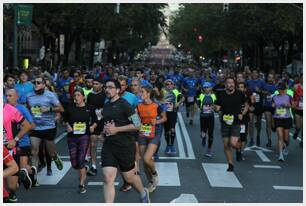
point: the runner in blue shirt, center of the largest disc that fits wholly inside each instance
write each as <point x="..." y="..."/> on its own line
<point x="268" y="90"/>
<point x="189" y="87"/>
<point x="24" y="87"/>
<point x="255" y="86"/>
<point x="43" y="105"/>
<point x="63" y="87"/>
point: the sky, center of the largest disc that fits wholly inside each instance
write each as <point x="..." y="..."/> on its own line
<point x="173" y="6"/>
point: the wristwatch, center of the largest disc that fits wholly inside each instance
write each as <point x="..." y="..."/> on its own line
<point x="16" y="139"/>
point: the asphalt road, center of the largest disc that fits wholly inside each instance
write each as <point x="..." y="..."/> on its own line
<point x="189" y="176"/>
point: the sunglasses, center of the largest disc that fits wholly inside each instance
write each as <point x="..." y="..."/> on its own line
<point x="168" y="84"/>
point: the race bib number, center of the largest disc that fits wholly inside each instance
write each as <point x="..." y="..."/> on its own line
<point x="228" y="119"/>
<point x="257" y="97"/>
<point x="4" y="137"/>
<point x="242" y="128"/>
<point x="66" y="88"/>
<point x="170" y="107"/>
<point x="11" y="152"/>
<point x="190" y="99"/>
<point x="281" y="112"/>
<point x="99" y="114"/>
<point x="79" y="128"/>
<point x="36" y="111"/>
<point x="147" y="130"/>
<point x="207" y="109"/>
<point x="269" y="98"/>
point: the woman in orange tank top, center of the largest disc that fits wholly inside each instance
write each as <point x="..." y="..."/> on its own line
<point x="148" y="111"/>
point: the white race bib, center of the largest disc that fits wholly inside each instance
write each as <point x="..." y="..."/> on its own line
<point x="170" y="107"/>
<point x="99" y="114"/>
<point x="269" y="98"/>
<point x="190" y="99"/>
<point x="257" y="98"/>
<point x="242" y="128"/>
<point x="207" y="109"/>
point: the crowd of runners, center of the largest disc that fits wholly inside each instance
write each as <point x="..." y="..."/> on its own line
<point x="130" y="109"/>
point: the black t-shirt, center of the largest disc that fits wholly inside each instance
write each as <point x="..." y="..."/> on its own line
<point x="80" y="119"/>
<point x="246" y="117"/>
<point x="231" y="104"/>
<point x="97" y="100"/>
<point x="119" y="112"/>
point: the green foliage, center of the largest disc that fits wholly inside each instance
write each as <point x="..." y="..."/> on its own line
<point x="244" y="24"/>
<point x="95" y="21"/>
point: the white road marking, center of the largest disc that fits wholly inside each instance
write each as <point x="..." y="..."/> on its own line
<point x="185" y="198"/>
<point x="100" y="183"/>
<point x="68" y="157"/>
<point x="180" y="144"/>
<point x="168" y="174"/>
<point x="59" y="138"/>
<point x="277" y="187"/>
<point x="219" y="177"/>
<point x="254" y="147"/>
<point x="186" y="136"/>
<point x="267" y="166"/>
<point x="262" y="156"/>
<point x="174" y="158"/>
<point x="43" y="179"/>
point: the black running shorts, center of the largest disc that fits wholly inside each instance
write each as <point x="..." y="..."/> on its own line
<point x="119" y="156"/>
<point x="229" y="131"/>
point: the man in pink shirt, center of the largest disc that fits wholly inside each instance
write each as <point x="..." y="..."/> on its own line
<point x="12" y="119"/>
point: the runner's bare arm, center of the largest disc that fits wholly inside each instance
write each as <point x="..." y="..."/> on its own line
<point x="58" y="108"/>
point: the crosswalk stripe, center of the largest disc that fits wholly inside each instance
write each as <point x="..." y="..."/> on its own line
<point x="181" y="149"/>
<point x="277" y="187"/>
<point x="219" y="177"/>
<point x="262" y="156"/>
<point x="267" y="166"/>
<point x="60" y="137"/>
<point x="57" y="175"/>
<point x="168" y="174"/>
<point x="100" y="183"/>
<point x="186" y="136"/>
<point x="185" y="198"/>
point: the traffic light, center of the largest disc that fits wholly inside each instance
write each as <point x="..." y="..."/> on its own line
<point x="225" y="7"/>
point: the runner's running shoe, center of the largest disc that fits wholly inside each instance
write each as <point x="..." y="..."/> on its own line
<point x="25" y="178"/>
<point x="125" y="187"/>
<point x="146" y="197"/>
<point x="58" y="162"/>
<point x="82" y="189"/>
<point x="208" y="153"/>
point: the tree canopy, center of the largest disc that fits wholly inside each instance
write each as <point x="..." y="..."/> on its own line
<point x="244" y="25"/>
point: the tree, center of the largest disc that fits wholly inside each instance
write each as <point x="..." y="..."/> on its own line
<point x="245" y="26"/>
